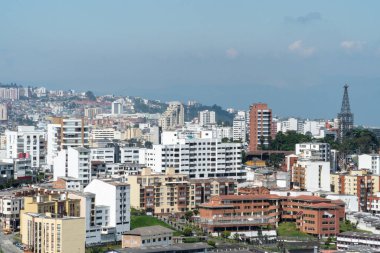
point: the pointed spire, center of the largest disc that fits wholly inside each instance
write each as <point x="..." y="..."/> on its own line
<point x="345" y="117"/>
<point x="346" y="101"/>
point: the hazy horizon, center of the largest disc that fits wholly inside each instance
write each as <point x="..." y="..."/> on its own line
<point x="296" y="56"/>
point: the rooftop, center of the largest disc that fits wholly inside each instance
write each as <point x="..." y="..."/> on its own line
<point x="151" y="230"/>
<point x="167" y="248"/>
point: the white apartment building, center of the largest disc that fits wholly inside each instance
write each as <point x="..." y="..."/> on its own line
<point x="239" y="128"/>
<point x="222" y="132"/>
<point x="105" y="134"/>
<point x="290" y="124"/>
<point x="132" y="155"/>
<point x="103" y="154"/>
<point x="10" y="207"/>
<point x="115" y="195"/>
<point x="313" y="126"/>
<point x="115" y="170"/>
<point x="173" y="117"/>
<point x="199" y="158"/>
<point x="206" y="118"/>
<point x="370" y="162"/>
<point x="311" y="175"/>
<point x="27" y="140"/>
<point x="117" y="108"/>
<point x="73" y="162"/>
<point x="320" y="151"/>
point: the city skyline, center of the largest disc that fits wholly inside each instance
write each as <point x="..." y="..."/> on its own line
<point x="296" y="57"/>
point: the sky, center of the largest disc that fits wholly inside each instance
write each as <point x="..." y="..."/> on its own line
<point x="294" y="55"/>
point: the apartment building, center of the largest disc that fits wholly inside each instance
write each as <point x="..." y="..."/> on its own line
<point x="116" y="196"/>
<point x="27" y="140"/>
<point x="239" y="213"/>
<point x="197" y="157"/>
<point x="47" y="233"/>
<point x="260" y="124"/>
<point x="132" y="155"/>
<point x="3" y="112"/>
<point x="201" y="190"/>
<point x="88" y="212"/>
<point x="104" y="154"/>
<point x="370" y="162"/>
<point x="64" y="133"/>
<point x="239" y="128"/>
<point x="358" y="183"/>
<point x="73" y="162"/>
<point x="10" y="207"/>
<point x="9" y="93"/>
<point x="349" y="239"/>
<point x="319" y="151"/>
<point x="114" y="170"/>
<point x="68" y="183"/>
<point x="52" y="202"/>
<point x="310" y="175"/>
<point x="92" y="112"/>
<point x="117" y="108"/>
<point x="314" y="215"/>
<point x="244" y="213"/>
<point x="159" y="193"/>
<point x="173" y="117"/>
<point x="206" y="118"/>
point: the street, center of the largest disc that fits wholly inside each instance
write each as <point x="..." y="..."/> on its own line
<point x="6" y="244"/>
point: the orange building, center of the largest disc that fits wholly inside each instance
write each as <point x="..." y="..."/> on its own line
<point x="240" y="213"/>
<point x="261" y="129"/>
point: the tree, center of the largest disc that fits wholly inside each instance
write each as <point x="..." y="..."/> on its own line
<point x="236" y="237"/>
<point x="148" y="144"/>
<point x="195" y="211"/>
<point x="188" y="215"/>
<point x="211" y="243"/>
<point x="287" y="141"/>
<point x="226" y="234"/>
<point x="90" y="95"/>
<point x="187" y="231"/>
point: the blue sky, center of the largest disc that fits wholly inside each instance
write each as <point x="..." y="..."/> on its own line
<point x="294" y="55"/>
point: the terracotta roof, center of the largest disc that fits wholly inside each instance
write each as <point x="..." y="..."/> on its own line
<point x="323" y="205"/>
<point x="308" y="198"/>
<point x="249" y="196"/>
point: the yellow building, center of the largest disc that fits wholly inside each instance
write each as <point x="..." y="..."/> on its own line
<point x="159" y="193"/>
<point x="55" y="203"/>
<point x="44" y="233"/>
<point x="356" y="182"/>
<point x="170" y="192"/>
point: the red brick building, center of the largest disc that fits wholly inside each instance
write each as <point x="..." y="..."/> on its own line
<point x="239" y="213"/>
<point x="260" y="126"/>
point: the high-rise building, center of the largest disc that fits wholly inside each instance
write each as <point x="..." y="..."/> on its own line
<point x="73" y="162"/>
<point x="345" y="117"/>
<point x="47" y="233"/>
<point x="117" y="108"/>
<point x="206" y="118"/>
<point x="3" y="112"/>
<point x="92" y="112"/>
<point x="204" y="157"/>
<point x="260" y="131"/>
<point x="64" y="133"/>
<point x="173" y="117"/>
<point x="239" y="128"/>
<point x="29" y="141"/>
<point x="116" y="196"/>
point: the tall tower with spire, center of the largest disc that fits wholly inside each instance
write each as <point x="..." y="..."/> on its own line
<point x="345" y="117"/>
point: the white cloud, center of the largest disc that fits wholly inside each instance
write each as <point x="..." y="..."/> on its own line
<point x="232" y="53"/>
<point x="298" y="48"/>
<point x="352" y="45"/>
